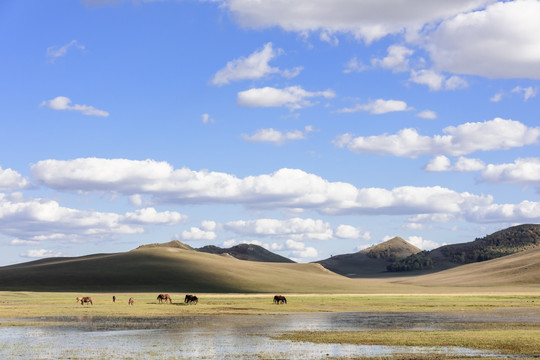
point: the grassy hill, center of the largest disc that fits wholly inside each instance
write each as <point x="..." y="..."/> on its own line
<point x="248" y="252"/>
<point x="370" y="262"/>
<point x="518" y="269"/>
<point x="173" y="269"/>
<point x="501" y="243"/>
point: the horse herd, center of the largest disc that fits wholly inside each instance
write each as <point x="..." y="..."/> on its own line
<point x="189" y="299"/>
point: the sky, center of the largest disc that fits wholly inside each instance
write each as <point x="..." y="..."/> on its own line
<point x="310" y="127"/>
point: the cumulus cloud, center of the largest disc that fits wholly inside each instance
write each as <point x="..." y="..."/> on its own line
<point x="288" y="189"/>
<point x="42" y="219"/>
<point x="276" y="137"/>
<point x="293" y="97"/>
<point x="437" y="81"/>
<point x="195" y="233"/>
<point x="499" y="41"/>
<point x="427" y="114"/>
<point x="41" y="253"/>
<point x="351" y="232"/>
<point x="367" y="21"/>
<point x="442" y="163"/>
<point x="396" y="60"/>
<point x="525" y="172"/>
<point x="207" y="119"/>
<point x="55" y="52"/>
<point x="496" y="134"/>
<point x="296" y="228"/>
<point x="423" y="244"/>
<point x="379" y="107"/>
<point x="64" y="103"/>
<point x="255" y="66"/>
<point x="354" y="65"/>
<point x="299" y="250"/>
<point x="12" y="180"/>
<point x="528" y="92"/>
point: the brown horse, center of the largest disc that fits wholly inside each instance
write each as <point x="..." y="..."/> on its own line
<point x="164" y="297"/>
<point x="280" y="299"/>
<point x="86" y="300"/>
<point x="131" y="301"/>
<point x="191" y="299"/>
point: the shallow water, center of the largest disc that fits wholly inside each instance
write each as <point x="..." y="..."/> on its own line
<point x="213" y="337"/>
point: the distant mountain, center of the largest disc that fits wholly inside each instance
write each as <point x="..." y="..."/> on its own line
<point x="371" y="261"/>
<point x="170" y="268"/>
<point x="522" y="268"/>
<point x="171" y="244"/>
<point x="249" y="252"/>
<point x="501" y="243"/>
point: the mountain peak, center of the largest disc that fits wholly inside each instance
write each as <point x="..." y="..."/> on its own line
<point x="171" y="244"/>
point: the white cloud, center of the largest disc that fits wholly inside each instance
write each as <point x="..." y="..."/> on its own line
<point x="296" y="228"/>
<point x="427" y="114"/>
<point x="396" y="60"/>
<point x="379" y="107"/>
<point x="442" y="163"/>
<point x="42" y="219"/>
<point x="354" y="65"/>
<point x="276" y="137"/>
<point x="196" y="233"/>
<point x="496" y="134"/>
<point x="368" y="21"/>
<point x="207" y="119"/>
<point x="528" y="92"/>
<point x="151" y="216"/>
<point x="293" y="97"/>
<point x="499" y="41"/>
<point x="351" y="232"/>
<point x="54" y="52"/>
<point x="41" y="253"/>
<point x="423" y="244"/>
<point x="497" y="97"/>
<point x="436" y="81"/>
<point x="524" y="171"/>
<point x="63" y="103"/>
<point x="255" y="66"/>
<point x="12" y="180"/>
<point x="288" y="189"/>
<point x="300" y="250"/>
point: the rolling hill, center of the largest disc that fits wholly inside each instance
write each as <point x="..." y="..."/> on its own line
<point x="370" y="262"/>
<point x="522" y="268"/>
<point x="501" y="243"/>
<point x="248" y="252"/>
<point x="166" y="268"/>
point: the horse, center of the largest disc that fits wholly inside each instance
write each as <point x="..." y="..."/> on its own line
<point x="114" y="299"/>
<point x="86" y="300"/>
<point x="164" y="297"/>
<point x="280" y="299"/>
<point x="191" y="299"/>
<point x="79" y="298"/>
<point x="131" y="301"/>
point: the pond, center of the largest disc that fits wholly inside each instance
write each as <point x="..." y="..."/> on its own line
<point x="215" y="337"/>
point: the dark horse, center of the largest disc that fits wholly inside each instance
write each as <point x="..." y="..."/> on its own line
<point x="164" y="297"/>
<point x="191" y="299"/>
<point x="131" y="301"/>
<point x="280" y="299"/>
<point x="86" y="300"/>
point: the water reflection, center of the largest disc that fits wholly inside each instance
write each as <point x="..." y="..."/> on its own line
<point x="211" y="337"/>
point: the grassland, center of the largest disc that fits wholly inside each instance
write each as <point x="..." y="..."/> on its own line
<point x="509" y="336"/>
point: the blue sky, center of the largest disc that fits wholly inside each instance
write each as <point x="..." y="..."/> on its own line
<point x="312" y="128"/>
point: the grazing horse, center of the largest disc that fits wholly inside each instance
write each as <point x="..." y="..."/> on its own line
<point x="191" y="299"/>
<point x="280" y="299"/>
<point x="131" y="301"/>
<point x="164" y="297"/>
<point x="86" y="300"/>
